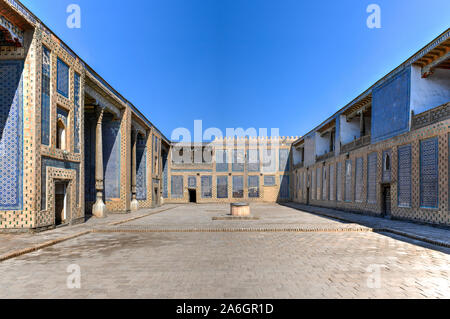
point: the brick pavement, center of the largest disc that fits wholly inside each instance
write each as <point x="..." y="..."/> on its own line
<point x="235" y="264"/>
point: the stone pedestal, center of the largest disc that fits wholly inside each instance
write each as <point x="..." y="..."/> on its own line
<point x="240" y="210"/>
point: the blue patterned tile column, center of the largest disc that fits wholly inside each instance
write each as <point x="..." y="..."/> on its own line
<point x="141" y="163"/>
<point x="111" y="158"/>
<point x="11" y="135"/>
<point x="76" y="114"/>
<point x="45" y="107"/>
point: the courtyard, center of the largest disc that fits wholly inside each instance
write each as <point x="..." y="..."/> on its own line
<point x="179" y="251"/>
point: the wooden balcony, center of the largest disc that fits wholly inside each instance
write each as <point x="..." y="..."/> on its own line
<point x="429" y="117"/>
<point x="324" y="156"/>
<point x="358" y="143"/>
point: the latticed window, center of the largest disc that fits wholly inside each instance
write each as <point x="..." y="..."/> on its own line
<point x="404" y="176"/>
<point x="348" y="181"/>
<point x="372" y="178"/>
<point x="177" y="186"/>
<point x="429" y="185"/>
<point x="359" y="183"/>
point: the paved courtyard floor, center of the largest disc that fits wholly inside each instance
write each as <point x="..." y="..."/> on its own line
<point x="182" y="253"/>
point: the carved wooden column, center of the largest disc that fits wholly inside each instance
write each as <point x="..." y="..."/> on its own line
<point x="134" y="202"/>
<point x="99" y="209"/>
<point x="362" y="124"/>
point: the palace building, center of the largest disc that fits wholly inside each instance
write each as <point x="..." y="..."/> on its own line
<point x="387" y="152"/>
<point x="72" y="146"/>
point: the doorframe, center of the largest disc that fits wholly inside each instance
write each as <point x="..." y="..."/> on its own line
<point x="382" y="199"/>
<point x="57" y="175"/>
<point x="189" y="195"/>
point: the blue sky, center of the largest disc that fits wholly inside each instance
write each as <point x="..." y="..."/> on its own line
<point x="286" y="64"/>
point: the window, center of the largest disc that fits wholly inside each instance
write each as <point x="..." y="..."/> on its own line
<point x="238" y="160"/>
<point x="206" y="187"/>
<point x="62" y="81"/>
<point x="177" y="186"/>
<point x="284" y="160"/>
<point x="222" y="186"/>
<point x="387" y="162"/>
<point x="386" y="173"/>
<point x="253" y="160"/>
<point x="61" y="127"/>
<point x="221" y="161"/>
<point x="253" y="186"/>
<point x="238" y="186"/>
<point x="268" y="161"/>
<point x="61" y="136"/>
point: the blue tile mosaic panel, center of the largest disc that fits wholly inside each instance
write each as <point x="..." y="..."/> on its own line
<point x="141" y="168"/>
<point x="176" y="186"/>
<point x="221" y="161"/>
<point x="390" y="107"/>
<point x="238" y="186"/>
<point x="348" y="181"/>
<point x="253" y="160"/>
<point x="192" y="181"/>
<point x="253" y="186"/>
<point x="222" y="187"/>
<point x="284" y="187"/>
<point x="62" y="78"/>
<point x="284" y="160"/>
<point x="89" y="158"/>
<point x="429" y="184"/>
<point x="332" y="188"/>
<point x="318" y="182"/>
<point x="11" y="135"/>
<point x="206" y="186"/>
<point x="404" y="176"/>
<point x="339" y="182"/>
<point x="324" y="182"/>
<point x="359" y="183"/>
<point x="313" y="184"/>
<point x="372" y="178"/>
<point x="45" y="97"/>
<point x="111" y="157"/>
<point x="269" y="180"/>
<point x="76" y="113"/>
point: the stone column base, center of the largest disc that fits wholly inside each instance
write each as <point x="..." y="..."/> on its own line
<point x="99" y="209"/>
<point x="134" y="205"/>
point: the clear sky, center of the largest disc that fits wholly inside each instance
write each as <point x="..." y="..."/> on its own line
<point x="287" y="64"/>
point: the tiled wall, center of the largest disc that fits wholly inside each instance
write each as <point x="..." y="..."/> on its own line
<point x="418" y="176"/>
